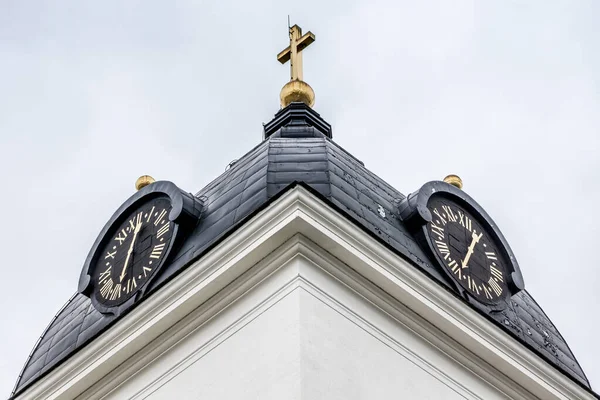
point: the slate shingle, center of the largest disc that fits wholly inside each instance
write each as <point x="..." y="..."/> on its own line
<point x="247" y="186"/>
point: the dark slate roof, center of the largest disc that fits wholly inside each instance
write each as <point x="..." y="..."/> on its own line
<point x="297" y="150"/>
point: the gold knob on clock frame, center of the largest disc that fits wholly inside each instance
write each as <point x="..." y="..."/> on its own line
<point x="454" y="180"/>
<point x="143" y="181"/>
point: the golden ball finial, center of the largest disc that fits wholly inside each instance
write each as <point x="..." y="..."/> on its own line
<point x="454" y="180"/>
<point x="143" y="181"/>
<point x="297" y="91"/>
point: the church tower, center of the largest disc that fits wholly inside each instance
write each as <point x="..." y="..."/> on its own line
<point x="300" y="274"/>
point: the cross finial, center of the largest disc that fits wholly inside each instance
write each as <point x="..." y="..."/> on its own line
<point x="293" y="52"/>
<point x="296" y="89"/>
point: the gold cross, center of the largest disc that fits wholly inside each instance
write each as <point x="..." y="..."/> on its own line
<point x="294" y="51"/>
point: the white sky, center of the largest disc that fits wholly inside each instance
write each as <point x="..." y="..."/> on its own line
<point x="504" y="93"/>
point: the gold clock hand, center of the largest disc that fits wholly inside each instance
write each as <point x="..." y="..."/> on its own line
<point x="471" y="248"/>
<point x="137" y="229"/>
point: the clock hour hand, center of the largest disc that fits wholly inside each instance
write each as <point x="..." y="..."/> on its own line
<point x="471" y="249"/>
<point x="138" y="226"/>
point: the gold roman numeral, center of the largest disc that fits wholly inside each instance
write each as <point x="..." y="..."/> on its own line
<point x="438" y="230"/>
<point x="157" y="251"/>
<point x="495" y="287"/>
<point x="163" y="229"/>
<point x="116" y="292"/>
<point x="464" y="221"/>
<point x="133" y="222"/>
<point x="146" y="270"/>
<point x="111" y="255"/>
<point x="443" y="248"/>
<point x="491" y="255"/>
<point x="120" y="238"/>
<point x="160" y="217"/>
<point x="496" y="273"/>
<point x="131" y="285"/>
<point x="452" y="264"/>
<point x="150" y="214"/>
<point x="436" y="212"/>
<point x="104" y="275"/>
<point x="449" y="213"/>
<point x="457" y="271"/>
<point x="487" y="292"/>
<point x="106" y="288"/>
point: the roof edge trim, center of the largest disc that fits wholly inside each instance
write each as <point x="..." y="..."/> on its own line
<point x="300" y="212"/>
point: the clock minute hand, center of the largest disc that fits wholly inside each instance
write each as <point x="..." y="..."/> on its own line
<point x="137" y="229"/>
<point x="471" y="249"/>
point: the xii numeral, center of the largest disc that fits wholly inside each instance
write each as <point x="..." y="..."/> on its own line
<point x="464" y="221"/>
<point x="133" y="222"/>
<point x="157" y="250"/>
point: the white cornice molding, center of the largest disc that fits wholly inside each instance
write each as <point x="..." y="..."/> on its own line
<point x="301" y="264"/>
<point x="299" y="212"/>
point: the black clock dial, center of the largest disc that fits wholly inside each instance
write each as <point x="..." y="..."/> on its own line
<point x="134" y="251"/>
<point x="469" y="254"/>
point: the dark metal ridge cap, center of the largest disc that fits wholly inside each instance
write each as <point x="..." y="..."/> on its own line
<point x="297" y="113"/>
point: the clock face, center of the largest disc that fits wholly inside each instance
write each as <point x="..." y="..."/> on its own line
<point x="465" y="249"/>
<point x="134" y="251"/>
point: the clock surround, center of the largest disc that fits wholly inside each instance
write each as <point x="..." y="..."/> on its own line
<point x="458" y="252"/>
<point x="131" y="244"/>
